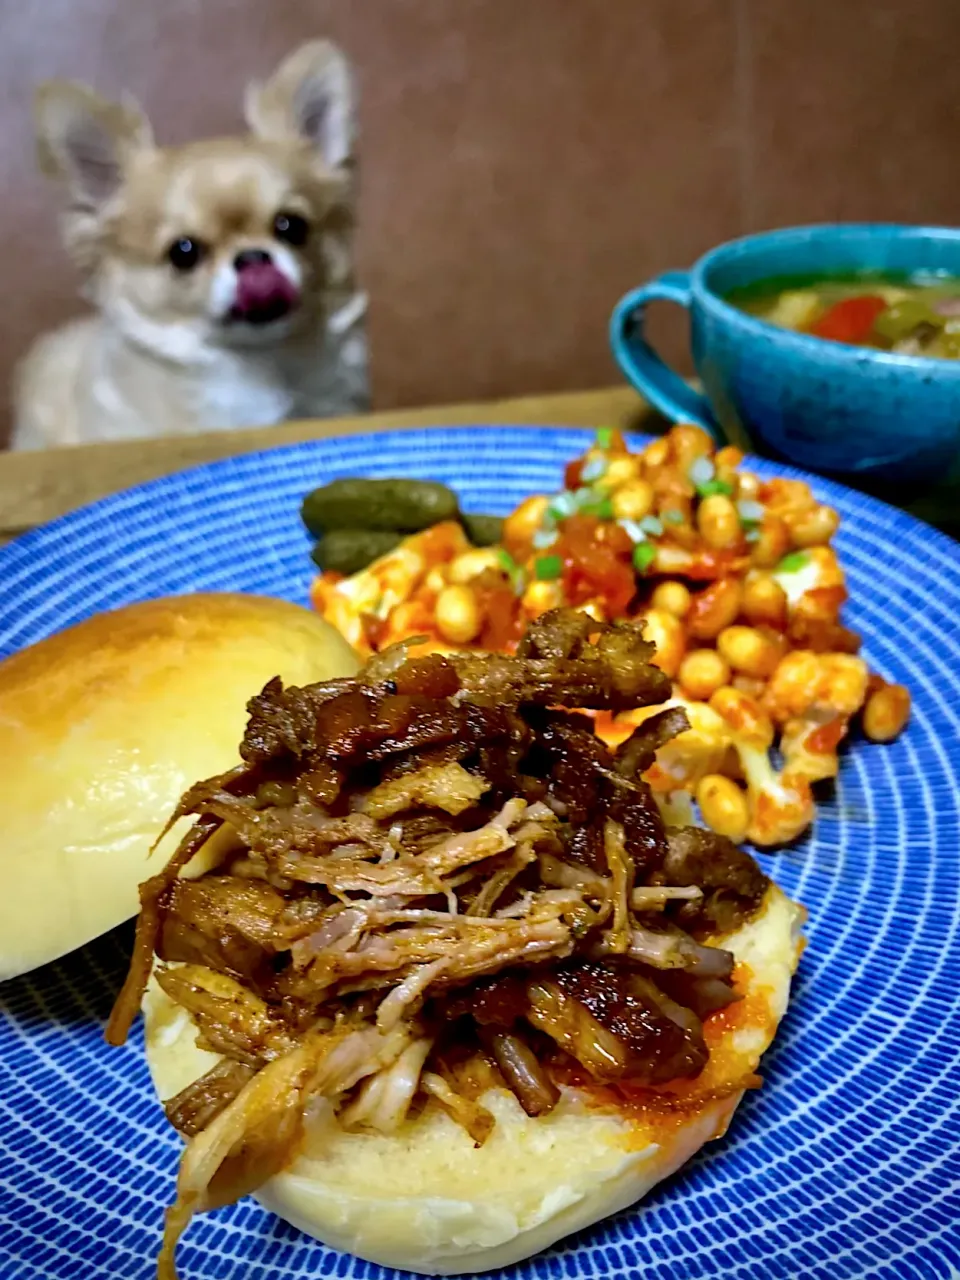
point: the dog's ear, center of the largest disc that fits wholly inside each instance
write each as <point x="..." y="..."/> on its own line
<point x="309" y="97"/>
<point x="86" y="141"/>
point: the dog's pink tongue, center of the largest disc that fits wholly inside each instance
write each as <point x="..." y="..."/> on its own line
<point x="263" y="285"/>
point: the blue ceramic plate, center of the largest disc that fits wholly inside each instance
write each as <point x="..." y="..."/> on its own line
<point x="845" y="1165"/>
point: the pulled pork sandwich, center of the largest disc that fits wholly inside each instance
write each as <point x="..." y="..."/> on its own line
<point x="453" y="989"/>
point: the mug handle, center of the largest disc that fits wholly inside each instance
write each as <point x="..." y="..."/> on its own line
<point x="654" y="379"/>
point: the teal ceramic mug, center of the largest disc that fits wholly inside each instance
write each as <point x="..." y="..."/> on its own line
<point x="849" y="411"/>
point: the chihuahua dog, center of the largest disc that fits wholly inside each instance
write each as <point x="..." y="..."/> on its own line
<point x="221" y="271"/>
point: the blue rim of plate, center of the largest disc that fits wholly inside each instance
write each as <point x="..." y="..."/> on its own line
<point x="846" y="1164"/>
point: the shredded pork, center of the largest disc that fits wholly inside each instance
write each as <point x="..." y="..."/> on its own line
<point x="438" y="880"/>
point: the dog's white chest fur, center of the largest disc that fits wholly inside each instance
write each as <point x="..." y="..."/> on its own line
<point x="86" y="382"/>
<point x="223" y="394"/>
<point x="234" y="394"/>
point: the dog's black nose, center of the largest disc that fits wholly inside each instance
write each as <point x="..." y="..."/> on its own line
<point x="251" y="258"/>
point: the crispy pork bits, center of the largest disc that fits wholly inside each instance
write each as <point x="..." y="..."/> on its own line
<point x="429" y="875"/>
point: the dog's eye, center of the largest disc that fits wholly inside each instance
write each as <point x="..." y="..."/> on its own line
<point x="291" y="228"/>
<point x="185" y="253"/>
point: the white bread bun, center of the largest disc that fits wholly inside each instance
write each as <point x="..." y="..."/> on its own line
<point x="427" y="1200"/>
<point x="103" y="727"/>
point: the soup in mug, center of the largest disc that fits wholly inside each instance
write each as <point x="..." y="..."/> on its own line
<point x="911" y="316"/>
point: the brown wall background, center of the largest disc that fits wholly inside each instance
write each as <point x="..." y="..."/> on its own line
<point x="524" y="162"/>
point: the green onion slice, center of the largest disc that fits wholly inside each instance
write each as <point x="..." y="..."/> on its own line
<point x="710" y="487"/>
<point x="643" y="556"/>
<point x="562" y="505"/>
<point x="633" y="529"/>
<point x="701" y="472"/>
<point x="544" y="538"/>
<point x="548" y="568"/>
<point x="750" y="512"/>
<point x="794" y="561"/>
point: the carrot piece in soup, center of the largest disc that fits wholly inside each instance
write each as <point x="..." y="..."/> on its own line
<point x="851" y="320"/>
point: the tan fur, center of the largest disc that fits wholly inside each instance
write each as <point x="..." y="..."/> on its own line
<point x="159" y="357"/>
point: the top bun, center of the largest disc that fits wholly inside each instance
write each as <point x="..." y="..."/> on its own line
<point x="104" y="726"/>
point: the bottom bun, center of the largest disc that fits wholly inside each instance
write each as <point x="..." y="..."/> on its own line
<point x="426" y="1200"/>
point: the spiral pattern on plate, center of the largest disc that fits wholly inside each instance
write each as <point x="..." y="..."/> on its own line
<point x="844" y="1166"/>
